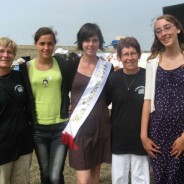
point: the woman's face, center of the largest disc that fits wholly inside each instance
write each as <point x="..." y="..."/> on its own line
<point x="45" y="46"/>
<point x="129" y="58"/>
<point x="91" y="46"/>
<point x="166" y="32"/>
<point x="7" y="56"/>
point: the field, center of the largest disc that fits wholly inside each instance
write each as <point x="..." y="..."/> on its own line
<point x="28" y="50"/>
<point x="69" y="174"/>
<point x="105" y="175"/>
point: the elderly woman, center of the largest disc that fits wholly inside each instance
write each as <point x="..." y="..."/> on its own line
<point x="126" y="92"/>
<point x="15" y="132"/>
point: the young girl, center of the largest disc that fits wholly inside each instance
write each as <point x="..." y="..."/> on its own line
<point x="164" y="99"/>
<point x="50" y="92"/>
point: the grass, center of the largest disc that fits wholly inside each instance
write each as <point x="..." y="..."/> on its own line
<point x="69" y="173"/>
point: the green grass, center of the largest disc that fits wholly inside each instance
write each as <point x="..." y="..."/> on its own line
<point x="69" y="173"/>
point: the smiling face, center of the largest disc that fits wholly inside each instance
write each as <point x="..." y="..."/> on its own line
<point x="90" y="46"/>
<point x="45" y="46"/>
<point x="7" y="56"/>
<point x="129" y="58"/>
<point x="166" y="32"/>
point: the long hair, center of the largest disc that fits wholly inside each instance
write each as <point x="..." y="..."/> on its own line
<point x="157" y="47"/>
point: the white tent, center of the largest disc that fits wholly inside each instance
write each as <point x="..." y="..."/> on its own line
<point x="143" y="60"/>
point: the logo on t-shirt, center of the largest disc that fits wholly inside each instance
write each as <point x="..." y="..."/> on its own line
<point x="140" y="90"/>
<point x="19" y="88"/>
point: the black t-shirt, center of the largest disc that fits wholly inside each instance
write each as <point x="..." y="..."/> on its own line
<point x="15" y="129"/>
<point x="127" y="95"/>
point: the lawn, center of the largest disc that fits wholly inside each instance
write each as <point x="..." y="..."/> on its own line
<point x="105" y="174"/>
<point x="105" y="177"/>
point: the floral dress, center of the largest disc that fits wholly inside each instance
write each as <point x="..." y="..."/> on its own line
<point x="167" y="124"/>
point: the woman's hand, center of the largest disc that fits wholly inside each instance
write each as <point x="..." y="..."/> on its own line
<point x="69" y="108"/>
<point x="150" y="147"/>
<point x="178" y="146"/>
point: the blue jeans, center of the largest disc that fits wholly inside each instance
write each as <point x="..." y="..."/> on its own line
<point x="50" y="152"/>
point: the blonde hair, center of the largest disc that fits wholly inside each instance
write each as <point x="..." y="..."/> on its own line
<point x="6" y="42"/>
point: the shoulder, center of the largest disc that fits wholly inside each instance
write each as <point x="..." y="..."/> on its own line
<point x="25" y="66"/>
<point x="116" y="74"/>
<point x="153" y="62"/>
<point x="15" y="73"/>
<point x="58" y="57"/>
<point x="74" y="64"/>
<point x="142" y="70"/>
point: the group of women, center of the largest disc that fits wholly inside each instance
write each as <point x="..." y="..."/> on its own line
<point x="35" y="109"/>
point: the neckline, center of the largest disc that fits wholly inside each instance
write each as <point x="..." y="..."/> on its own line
<point x="138" y="69"/>
<point x="181" y="66"/>
<point x="83" y="75"/>
<point x="7" y="76"/>
<point x="35" y="61"/>
<point x="126" y="76"/>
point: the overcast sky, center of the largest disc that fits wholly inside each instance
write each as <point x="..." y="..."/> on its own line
<point x="21" y="18"/>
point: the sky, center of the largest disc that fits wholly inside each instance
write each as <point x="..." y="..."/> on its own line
<point x="20" y="19"/>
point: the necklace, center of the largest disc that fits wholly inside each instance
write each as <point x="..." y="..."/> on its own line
<point x="131" y="83"/>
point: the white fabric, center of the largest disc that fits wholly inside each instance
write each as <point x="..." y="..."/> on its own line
<point x="61" y="51"/>
<point x="138" y="165"/>
<point x="89" y="97"/>
<point x="116" y="63"/>
<point x="151" y="69"/>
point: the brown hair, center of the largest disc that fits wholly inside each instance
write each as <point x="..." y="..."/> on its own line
<point x="157" y="46"/>
<point x="86" y="31"/>
<point x="126" y="43"/>
<point x="44" y="31"/>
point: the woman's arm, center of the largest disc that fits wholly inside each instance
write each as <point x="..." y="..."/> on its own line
<point x="148" y="144"/>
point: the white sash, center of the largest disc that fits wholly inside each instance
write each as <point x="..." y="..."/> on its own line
<point x="86" y="102"/>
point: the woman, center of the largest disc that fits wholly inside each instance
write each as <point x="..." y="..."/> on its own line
<point x="126" y="91"/>
<point x="89" y="123"/>
<point x="50" y="91"/>
<point x="164" y="99"/>
<point x="16" y="143"/>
